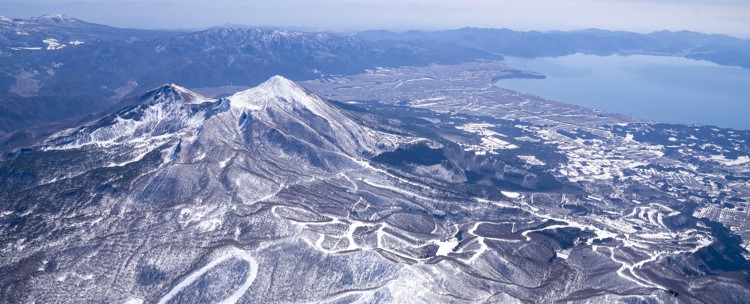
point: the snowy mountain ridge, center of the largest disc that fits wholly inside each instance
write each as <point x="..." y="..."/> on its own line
<point x="174" y="115"/>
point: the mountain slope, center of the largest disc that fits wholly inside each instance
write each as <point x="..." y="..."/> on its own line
<point x="255" y="119"/>
<point x="277" y="195"/>
<point x="203" y="159"/>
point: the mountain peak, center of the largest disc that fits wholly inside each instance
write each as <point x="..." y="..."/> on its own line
<point x="278" y="91"/>
<point x="282" y="104"/>
<point x="279" y="84"/>
<point x="173" y="92"/>
<point x="56" y="18"/>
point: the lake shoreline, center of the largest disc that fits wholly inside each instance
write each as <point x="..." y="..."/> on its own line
<point x="655" y="88"/>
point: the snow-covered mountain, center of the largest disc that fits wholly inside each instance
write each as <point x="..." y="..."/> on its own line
<point x="78" y="68"/>
<point x="275" y="194"/>
<point x="56" y="31"/>
<point x="208" y="161"/>
<point x="278" y="115"/>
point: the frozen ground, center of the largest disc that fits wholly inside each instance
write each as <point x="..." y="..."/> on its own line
<point x="449" y="190"/>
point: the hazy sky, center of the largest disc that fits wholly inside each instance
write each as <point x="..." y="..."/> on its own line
<point x="711" y="16"/>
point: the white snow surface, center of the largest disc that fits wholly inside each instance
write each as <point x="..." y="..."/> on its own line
<point x="511" y="194"/>
<point x="166" y="110"/>
<point x="280" y="92"/>
<point x="26" y="48"/>
<point x="727" y="162"/>
<point x="53" y="44"/>
<point x="282" y="95"/>
<point x="531" y="160"/>
<point x="490" y="139"/>
<point x="234" y="297"/>
<point x="446" y="247"/>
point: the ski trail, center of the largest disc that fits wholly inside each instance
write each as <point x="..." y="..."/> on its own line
<point x="234" y="297"/>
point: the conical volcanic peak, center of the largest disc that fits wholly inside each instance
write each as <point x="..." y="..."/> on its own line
<point x="278" y="91"/>
<point x="282" y="104"/>
<point x="279" y="84"/>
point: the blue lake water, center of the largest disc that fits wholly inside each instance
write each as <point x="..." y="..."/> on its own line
<point x="667" y="89"/>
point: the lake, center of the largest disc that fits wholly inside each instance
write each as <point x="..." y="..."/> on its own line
<point x="667" y="89"/>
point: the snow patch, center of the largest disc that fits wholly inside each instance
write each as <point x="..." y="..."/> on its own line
<point x="26" y="48"/>
<point x="202" y="216"/>
<point x="53" y="44"/>
<point x="511" y="194"/>
<point x="224" y="163"/>
<point x="490" y="140"/>
<point x="703" y="242"/>
<point x="730" y="162"/>
<point x="531" y="160"/>
<point x="446" y="247"/>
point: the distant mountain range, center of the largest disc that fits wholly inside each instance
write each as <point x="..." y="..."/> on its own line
<point x="721" y="49"/>
<point x="89" y="67"/>
<point x="55" y="67"/>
